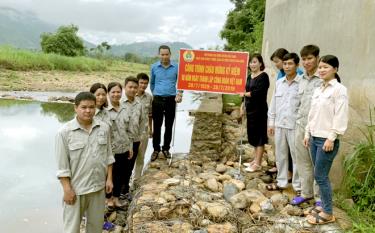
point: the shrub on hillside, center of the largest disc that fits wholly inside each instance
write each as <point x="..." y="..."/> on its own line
<point x="64" y="42"/>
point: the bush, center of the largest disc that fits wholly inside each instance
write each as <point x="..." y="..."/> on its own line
<point x="360" y="170"/>
<point x="64" y="42"/>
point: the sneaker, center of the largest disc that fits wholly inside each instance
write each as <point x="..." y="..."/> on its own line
<point x="154" y="155"/>
<point x="166" y="154"/>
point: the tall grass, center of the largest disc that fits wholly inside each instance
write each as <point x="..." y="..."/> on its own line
<point x="18" y="59"/>
<point x="359" y="180"/>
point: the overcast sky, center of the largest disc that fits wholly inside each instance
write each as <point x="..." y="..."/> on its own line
<point x="196" y="22"/>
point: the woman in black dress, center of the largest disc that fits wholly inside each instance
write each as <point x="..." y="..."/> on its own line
<point x="256" y="107"/>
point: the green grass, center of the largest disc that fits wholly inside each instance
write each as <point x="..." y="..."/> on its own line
<point x="25" y="60"/>
<point x="359" y="180"/>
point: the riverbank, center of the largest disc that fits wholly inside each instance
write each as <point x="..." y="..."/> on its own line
<point x="208" y="191"/>
<point x="65" y="81"/>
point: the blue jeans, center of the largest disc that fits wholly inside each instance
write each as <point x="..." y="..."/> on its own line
<point x="322" y="165"/>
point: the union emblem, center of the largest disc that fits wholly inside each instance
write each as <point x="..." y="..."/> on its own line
<point x="188" y="56"/>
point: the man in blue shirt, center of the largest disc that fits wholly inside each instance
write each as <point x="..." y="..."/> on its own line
<point x="163" y="87"/>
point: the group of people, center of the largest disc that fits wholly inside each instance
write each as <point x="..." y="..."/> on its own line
<point x="307" y="116"/>
<point x="98" y="151"/>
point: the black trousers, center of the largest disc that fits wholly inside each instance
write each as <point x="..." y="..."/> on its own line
<point x="122" y="171"/>
<point x="163" y="108"/>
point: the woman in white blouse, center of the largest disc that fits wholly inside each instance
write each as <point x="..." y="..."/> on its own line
<point x="327" y="121"/>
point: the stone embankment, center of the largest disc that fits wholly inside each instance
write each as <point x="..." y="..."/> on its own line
<point x="206" y="191"/>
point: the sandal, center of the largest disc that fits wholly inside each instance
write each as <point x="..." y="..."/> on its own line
<point x="312" y="211"/>
<point x="273" y="187"/>
<point x="297" y="200"/>
<point x="253" y="168"/>
<point x="271" y="171"/>
<point x="319" y="220"/>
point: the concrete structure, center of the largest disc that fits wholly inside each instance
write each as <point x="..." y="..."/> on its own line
<point x="344" y="28"/>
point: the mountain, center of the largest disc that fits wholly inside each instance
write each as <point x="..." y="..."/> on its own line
<point x="147" y="49"/>
<point x="22" y="29"/>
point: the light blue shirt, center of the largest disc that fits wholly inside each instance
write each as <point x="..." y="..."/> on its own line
<point x="284" y="104"/>
<point x="163" y="80"/>
<point x="282" y="73"/>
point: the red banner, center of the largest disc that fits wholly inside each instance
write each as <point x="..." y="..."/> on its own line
<point x="212" y="71"/>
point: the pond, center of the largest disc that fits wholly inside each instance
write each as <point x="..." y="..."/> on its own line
<point x="31" y="196"/>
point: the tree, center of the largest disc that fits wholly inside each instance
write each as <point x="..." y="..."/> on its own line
<point x="64" y="42"/>
<point x="243" y="29"/>
<point x="100" y="50"/>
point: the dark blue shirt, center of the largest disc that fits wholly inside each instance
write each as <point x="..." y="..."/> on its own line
<point x="163" y="80"/>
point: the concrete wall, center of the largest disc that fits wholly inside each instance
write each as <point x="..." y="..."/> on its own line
<point x="345" y="28"/>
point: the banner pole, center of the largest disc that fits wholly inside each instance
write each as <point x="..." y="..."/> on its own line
<point x="173" y="133"/>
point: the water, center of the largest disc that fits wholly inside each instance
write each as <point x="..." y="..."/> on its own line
<point x="31" y="196"/>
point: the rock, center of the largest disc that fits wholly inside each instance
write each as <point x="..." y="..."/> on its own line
<point x="216" y="210"/>
<point x="253" y="195"/>
<point x="154" y="226"/>
<point x="240" y="185"/>
<point x="171" y="181"/>
<point x="229" y="163"/>
<point x="343" y="220"/>
<point x="221" y="168"/>
<point x="118" y="229"/>
<point x="253" y="183"/>
<point x="292" y="210"/>
<point x="267" y="206"/>
<point x="197" y="180"/>
<point x="154" y="187"/>
<point x="201" y="230"/>
<point x="224" y="177"/>
<point x="154" y="165"/>
<point x="254" y="229"/>
<point x="279" y="200"/>
<point x="266" y="179"/>
<point x="145" y="214"/>
<point x="206" y="176"/>
<point x="161" y="201"/>
<point x="167" y="196"/>
<point x="205" y="222"/>
<point x="161" y="176"/>
<point x="221" y="228"/>
<point x="212" y="185"/>
<point x="207" y="196"/>
<point x="235" y="114"/>
<point x="229" y="190"/>
<point x="255" y="208"/>
<point x="163" y="212"/>
<point x="239" y="201"/>
<point x="182" y="227"/>
<point x="232" y="172"/>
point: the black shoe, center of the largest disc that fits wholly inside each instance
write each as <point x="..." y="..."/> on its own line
<point x="167" y="154"/>
<point x="154" y="155"/>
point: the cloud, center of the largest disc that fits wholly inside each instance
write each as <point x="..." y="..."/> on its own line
<point x="196" y="22"/>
